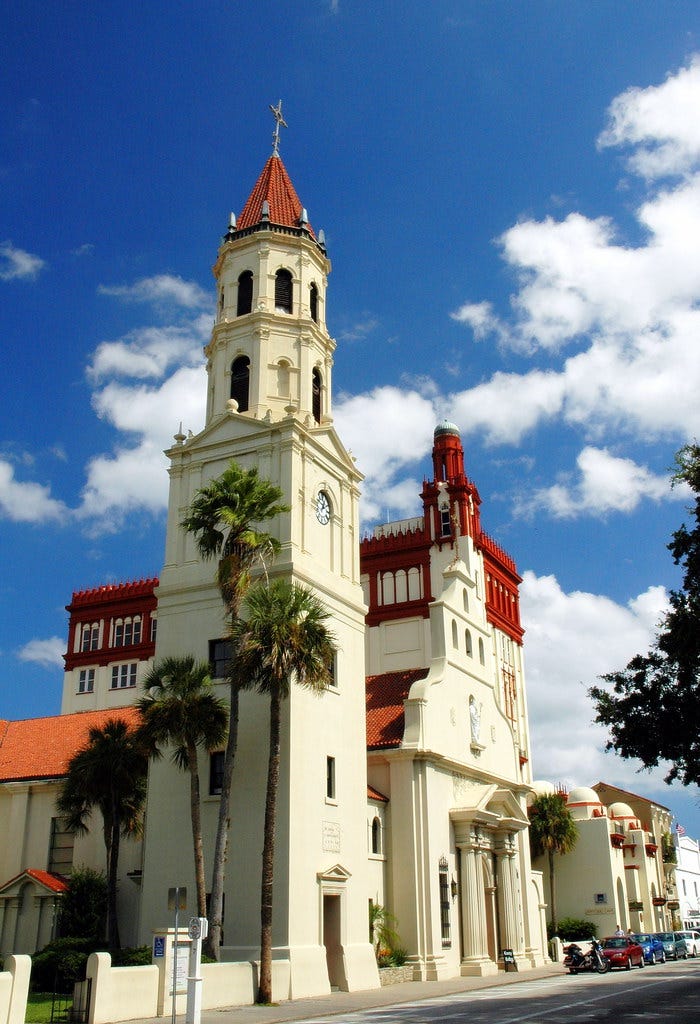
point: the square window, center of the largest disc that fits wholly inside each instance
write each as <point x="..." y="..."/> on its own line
<point x="86" y="680"/>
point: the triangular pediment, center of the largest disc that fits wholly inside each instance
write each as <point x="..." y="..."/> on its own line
<point x="335" y="874"/>
<point x="490" y="805"/>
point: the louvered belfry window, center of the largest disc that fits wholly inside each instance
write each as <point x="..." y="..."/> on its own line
<point x="245" y="293"/>
<point x="283" y="291"/>
<point x="240" y="382"/>
<point x="316" y="395"/>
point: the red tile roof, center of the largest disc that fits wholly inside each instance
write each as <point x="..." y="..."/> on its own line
<point x="385" y="696"/>
<point x="275" y="186"/>
<point x="54" y="883"/>
<point x="374" y="794"/>
<point x="40" y="748"/>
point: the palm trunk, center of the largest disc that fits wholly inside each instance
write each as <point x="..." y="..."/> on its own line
<point x="216" y="903"/>
<point x="552" y="893"/>
<point x="268" y="858"/>
<point x="196" y="816"/>
<point x="112" y="875"/>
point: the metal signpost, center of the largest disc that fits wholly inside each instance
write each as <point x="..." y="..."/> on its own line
<point x="198" y="930"/>
<point x="177" y="901"/>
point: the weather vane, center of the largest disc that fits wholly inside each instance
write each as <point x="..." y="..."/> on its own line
<point x="279" y="123"/>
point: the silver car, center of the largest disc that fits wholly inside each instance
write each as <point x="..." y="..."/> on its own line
<point x="692" y="941"/>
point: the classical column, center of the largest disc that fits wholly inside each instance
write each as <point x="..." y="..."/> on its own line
<point x="475" y="957"/>
<point x="506" y="900"/>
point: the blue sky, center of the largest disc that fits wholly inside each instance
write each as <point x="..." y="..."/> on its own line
<point x="511" y="199"/>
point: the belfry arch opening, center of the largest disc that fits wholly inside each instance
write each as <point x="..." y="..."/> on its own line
<point x="244" y="302"/>
<point x="283" y="291"/>
<point x="316" y="394"/>
<point x="240" y="382"/>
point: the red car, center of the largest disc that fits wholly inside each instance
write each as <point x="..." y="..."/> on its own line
<point x="623" y="951"/>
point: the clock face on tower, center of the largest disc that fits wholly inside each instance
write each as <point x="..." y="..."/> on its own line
<point x="323" y="508"/>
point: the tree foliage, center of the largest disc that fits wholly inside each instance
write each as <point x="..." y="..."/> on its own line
<point x="109" y="773"/>
<point x="223" y="518"/>
<point x="652" y="707"/>
<point x="283" y="638"/>
<point x="552" y="831"/>
<point x="83" y="910"/>
<point x="181" y="709"/>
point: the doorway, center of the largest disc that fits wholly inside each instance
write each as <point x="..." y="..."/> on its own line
<point x="332" y="942"/>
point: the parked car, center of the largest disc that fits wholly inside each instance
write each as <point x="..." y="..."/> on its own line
<point x="623" y="951"/>
<point x="692" y="941"/>
<point x="653" y="947"/>
<point x="675" y="949"/>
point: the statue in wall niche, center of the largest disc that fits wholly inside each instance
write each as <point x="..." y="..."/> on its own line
<point x="474" y="718"/>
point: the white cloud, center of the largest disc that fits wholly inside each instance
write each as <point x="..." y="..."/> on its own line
<point x="479" y="316"/>
<point x="571" y="640"/>
<point x="17" y="264"/>
<point x="605" y="483"/>
<point x="150" y="351"/>
<point x="661" y="122"/>
<point x="160" y="289"/>
<point x="136" y="477"/>
<point x="47" y="653"/>
<point x="27" y="502"/>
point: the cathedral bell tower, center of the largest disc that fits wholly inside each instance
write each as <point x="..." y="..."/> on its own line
<point x="268" y="370"/>
<point x="270" y="351"/>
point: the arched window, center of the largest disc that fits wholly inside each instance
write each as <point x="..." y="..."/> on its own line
<point x="465" y="600"/>
<point x="313" y="302"/>
<point x="468" y="642"/>
<point x="482" y="656"/>
<point x="240" y="382"/>
<point x="455" y="641"/>
<point x="316" y="394"/>
<point x="283" y="291"/>
<point x="245" y="293"/>
<point x="376" y="836"/>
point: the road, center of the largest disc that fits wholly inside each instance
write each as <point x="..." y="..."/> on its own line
<point x="665" y="993"/>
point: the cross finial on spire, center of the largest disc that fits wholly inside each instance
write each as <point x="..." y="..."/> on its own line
<point x="279" y="123"/>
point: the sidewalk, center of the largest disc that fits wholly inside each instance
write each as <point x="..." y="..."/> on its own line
<point x="352" y="1002"/>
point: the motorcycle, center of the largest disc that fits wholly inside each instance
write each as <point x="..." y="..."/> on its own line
<point x="593" y="960"/>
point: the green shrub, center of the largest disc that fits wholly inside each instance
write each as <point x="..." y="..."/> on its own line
<point x="84" y="905"/>
<point x="136" y="956"/>
<point x="59" y="965"/>
<point x="571" y="928"/>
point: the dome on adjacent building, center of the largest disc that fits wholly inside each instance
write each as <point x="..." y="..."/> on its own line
<point x="624" y="813"/>
<point x="584" y="802"/>
<point x="541" y="788"/>
<point x="446" y="428"/>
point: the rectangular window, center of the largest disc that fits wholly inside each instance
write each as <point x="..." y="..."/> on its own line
<point x="330" y="778"/>
<point x="332" y="668"/>
<point x="444" y="905"/>
<point x="86" y="681"/>
<point x="119" y="634"/>
<point x="137" y="630"/>
<point x="445" y="522"/>
<point x="219" y="658"/>
<point x="128" y="633"/>
<point x="216" y="772"/>
<point x="60" y="848"/>
<point x="123" y="676"/>
<point x="154" y="629"/>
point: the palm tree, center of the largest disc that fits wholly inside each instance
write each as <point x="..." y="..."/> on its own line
<point x="552" y="830"/>
<point x="181" y="708"/>
<point x="221" y="517"/>
<point x="283" y="637"/>
<point x="109" y="773"/>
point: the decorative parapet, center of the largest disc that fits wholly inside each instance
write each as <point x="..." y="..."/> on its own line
<point x="617" y="840"/>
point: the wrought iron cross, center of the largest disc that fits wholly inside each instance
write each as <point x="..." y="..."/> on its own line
<point x="279" y="123"/>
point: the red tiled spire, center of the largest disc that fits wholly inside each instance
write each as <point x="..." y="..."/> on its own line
<point x="275" y="186"/>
